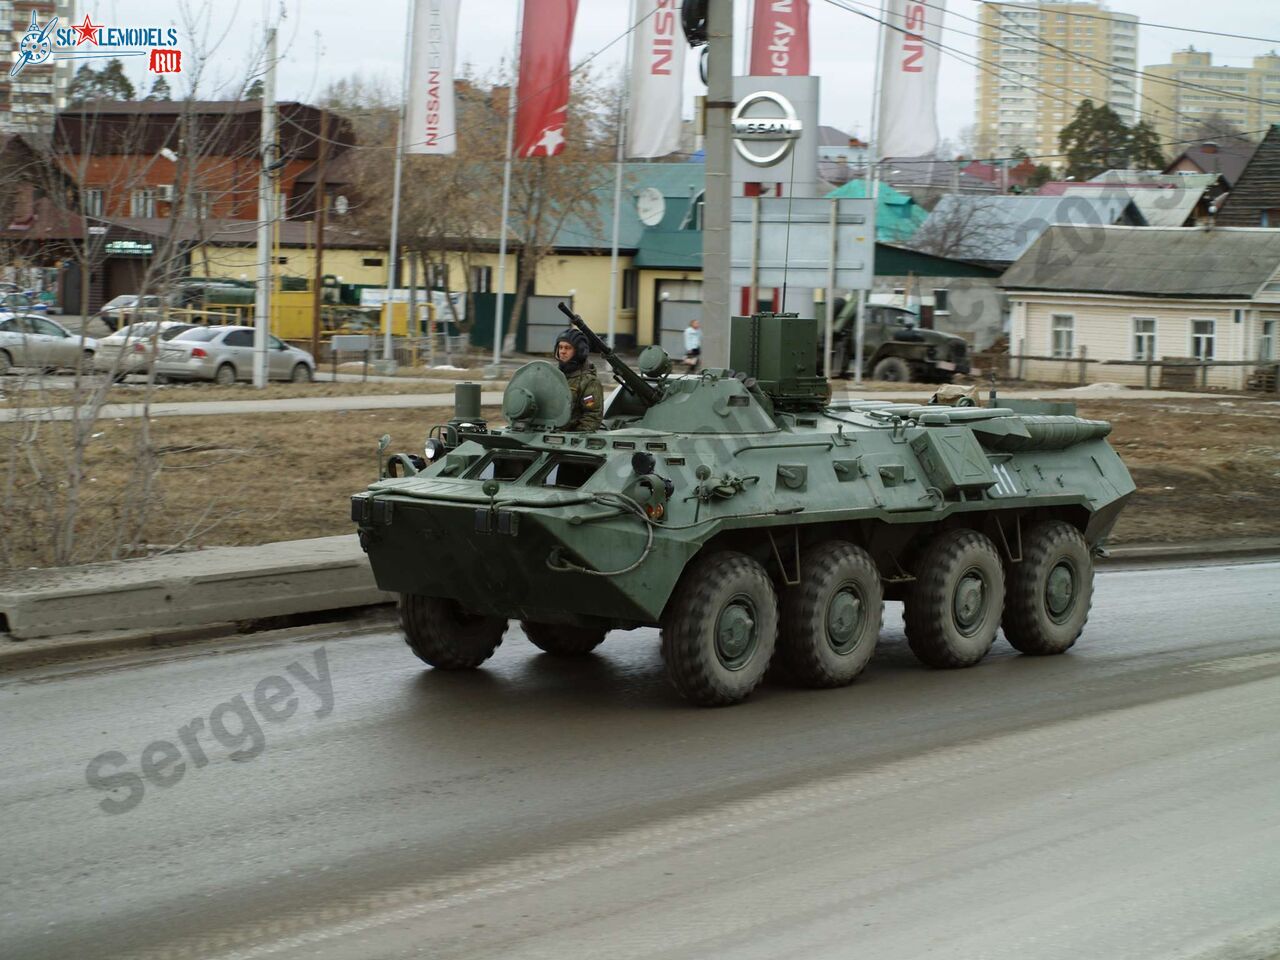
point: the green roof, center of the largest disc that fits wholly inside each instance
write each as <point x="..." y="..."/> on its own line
<point x="677" y="182"/>
<point x="670" y="249"/>
<point x="897" y="215"/>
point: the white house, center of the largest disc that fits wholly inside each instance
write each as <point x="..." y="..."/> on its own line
<point x="1114" y="293"/>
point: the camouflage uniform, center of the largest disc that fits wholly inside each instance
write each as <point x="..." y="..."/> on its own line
<point x="588" y="399"/>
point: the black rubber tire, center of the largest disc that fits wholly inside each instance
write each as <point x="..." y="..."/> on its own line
<point x="86" y="363"/>
<point x="807" y="652"/>
<point x="301" y="374"/>
<point x="6" y="363"/>
<point x="221" y="380"/>
<point x="1029" y="624"/>
<point x="892" y="369"/>
<point x="934" y="633"/>
<point x="562" y="640"/>
<point x="444" y="635"/>
<point x="710" y="586"/>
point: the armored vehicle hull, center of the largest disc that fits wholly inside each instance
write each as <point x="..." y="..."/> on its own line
<point x="749" y="518"/>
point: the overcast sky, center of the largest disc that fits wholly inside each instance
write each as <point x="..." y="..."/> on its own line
<point x="324" y="40"/>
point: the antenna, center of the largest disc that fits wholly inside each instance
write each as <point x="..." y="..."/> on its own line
<point x="786" y="246"/>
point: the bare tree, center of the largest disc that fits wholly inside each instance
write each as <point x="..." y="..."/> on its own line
<point x="964" y="228"/>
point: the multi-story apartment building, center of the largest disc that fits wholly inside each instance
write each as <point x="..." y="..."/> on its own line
<point x="1038" y="60"/>
<point x="1178" y="96"/>
<point x="30" y="101"/>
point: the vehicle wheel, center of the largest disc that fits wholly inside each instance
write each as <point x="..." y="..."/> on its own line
<point x="6" y="364"/>
<point x="561" y="640"/>
<point x="894" y="369"/>
<point x="831" y="621"/>
<point x="86" y="362"/>
<point x="445" y="635"/>
<point x="301" y="374"/>
<point x="719" y="629"/>
<point x="1050" y="591"/>
<point x="226" y="375"/>
<point x="953" y="608"/>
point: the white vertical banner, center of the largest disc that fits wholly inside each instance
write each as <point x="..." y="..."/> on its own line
<point x="657" y="79"/>
<point x="430" y="123"/>
<point x="909" y="78"/>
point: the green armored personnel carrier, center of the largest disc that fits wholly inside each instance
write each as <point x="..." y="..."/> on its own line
<point x="751" y="518"/>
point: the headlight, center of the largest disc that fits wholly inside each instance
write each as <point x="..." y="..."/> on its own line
<point x="434" y="450"/>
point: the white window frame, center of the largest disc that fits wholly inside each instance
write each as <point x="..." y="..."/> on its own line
<point x="1150" y="336"/>
<point x="482" y="279"/>
<point x="94" y="202"/>
<point x="1053" y="336"/>
<point x="1212" y="337"/>
<point x="1267" y="341"/>
<point x="145" y="199"/>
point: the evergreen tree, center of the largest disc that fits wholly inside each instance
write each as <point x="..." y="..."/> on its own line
<point x="255" y="90"/>
<point x="83" y="86"/>
<point x="1097" y="140"/>
<point x="1145" y="152"/>
<point x="159" y="90"/>
<point x="114" y="84"/>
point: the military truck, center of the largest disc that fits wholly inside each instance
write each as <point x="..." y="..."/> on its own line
<point x="895" y="347"/>
<point x="751" y="519"/>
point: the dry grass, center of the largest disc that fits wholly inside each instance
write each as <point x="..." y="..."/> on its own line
<point x="1204" y="469"/>
<point x="37" y="394"/>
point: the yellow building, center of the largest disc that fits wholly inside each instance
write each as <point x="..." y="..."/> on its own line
<point x="1173" y="100"/>
<point x="1039" y="60"/>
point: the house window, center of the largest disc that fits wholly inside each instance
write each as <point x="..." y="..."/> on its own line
<point x="438" y="276"/>
<point x="142" y="203"/>
<point x="630" y="289"/>
<point x="371" y="262"/>
<point x="941" y="301"/>
<point x="93" y="203"/>
<point x="1202" y="339"/>
<point x="1267" y="342"/>
<point x="1144" y="338"/>
<point x="202" y="204"/>
<point x="482" y="279"/>
<point x="1062" y="339"/>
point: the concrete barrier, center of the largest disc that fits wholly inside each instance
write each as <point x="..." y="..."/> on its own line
<point x="189" y="589"/>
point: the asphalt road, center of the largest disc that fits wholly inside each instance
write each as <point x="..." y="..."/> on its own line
<point x="1122" y="801"/>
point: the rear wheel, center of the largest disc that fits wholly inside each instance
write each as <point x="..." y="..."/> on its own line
<point x="445" y="635"/>
<point x="892" y="368"/>
<point x="86" y="362"/>
<point x="301" y="374"/>
<point x="1050" y="591"/>
<point x="563" y="641"/>
<point x="719" y="629"/>
<point x="226" y="375"/>
<point x="831" y="621"/>
<point x="6" y="364"/>
<point x="954" y="606"/>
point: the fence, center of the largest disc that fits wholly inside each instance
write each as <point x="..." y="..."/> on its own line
<point x="1168" y="373"/>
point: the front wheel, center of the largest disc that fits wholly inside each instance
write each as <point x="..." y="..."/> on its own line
<point x="719" y="629"/>
<point x="560" y="640"/>
<point x="893" y="369"/>
<point x="953" y="609"/>
<point x="301" y="374"/>
<point x="831" y="620"/>
<point x="1050" y="591"/>
<point x="448" y="637"/>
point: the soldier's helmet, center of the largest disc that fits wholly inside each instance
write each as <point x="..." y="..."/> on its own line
<point x="576" y="339"/>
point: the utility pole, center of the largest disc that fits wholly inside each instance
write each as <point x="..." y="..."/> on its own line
<point x="717" y="198"/>
<point x="266" y="215"/>
<point x="322" y="209"/>
<point x="393" y="260"/>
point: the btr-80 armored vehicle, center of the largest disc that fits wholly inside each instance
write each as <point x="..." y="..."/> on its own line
<point x="747" y="515"/>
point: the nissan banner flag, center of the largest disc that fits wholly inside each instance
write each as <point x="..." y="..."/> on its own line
<point x="543" y="91"/>
<point x="430" y="120"/>
<point x="909" y="79"/>
<point x="780" y="38"/>
<point x="657" y="80"/>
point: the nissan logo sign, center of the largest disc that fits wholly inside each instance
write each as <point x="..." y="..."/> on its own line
<point x="764" y="140"/>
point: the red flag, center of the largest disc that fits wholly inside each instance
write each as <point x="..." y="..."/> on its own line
<point x="780" y="38"/>
<point x="543" y="90"/>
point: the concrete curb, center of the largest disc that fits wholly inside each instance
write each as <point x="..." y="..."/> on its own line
<point x="104" y="608"/>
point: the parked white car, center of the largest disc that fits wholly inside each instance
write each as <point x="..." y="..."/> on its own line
<point x="225" y="355"/>
<point x="132" y="348"/>
<point x="28" y="340"/>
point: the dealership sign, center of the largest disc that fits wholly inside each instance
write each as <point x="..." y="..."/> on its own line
<point x="765" y="127"/>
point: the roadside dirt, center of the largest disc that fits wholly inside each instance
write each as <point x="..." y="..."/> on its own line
<point x="1204" y="468"/>
<point x="32" y="394"/>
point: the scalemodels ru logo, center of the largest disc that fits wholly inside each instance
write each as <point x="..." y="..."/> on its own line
<point x="88" y="41"/>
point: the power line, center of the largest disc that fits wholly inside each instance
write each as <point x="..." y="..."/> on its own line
<point x="1145" y="23"/>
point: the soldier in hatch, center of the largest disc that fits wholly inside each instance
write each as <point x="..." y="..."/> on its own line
<point x="588" y="396"/>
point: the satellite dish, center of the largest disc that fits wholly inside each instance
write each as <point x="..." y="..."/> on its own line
<point x="340" y="206"/>
<point x="651" y="206"/>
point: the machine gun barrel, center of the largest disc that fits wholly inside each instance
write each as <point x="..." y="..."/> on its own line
<point x="644" y="391"/>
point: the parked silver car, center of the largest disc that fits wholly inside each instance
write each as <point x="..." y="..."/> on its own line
<point x="225" y="355"/>
<point x="132" y="348"/>
<point x="28" y="340"/>
<point x="129" y="307"/>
